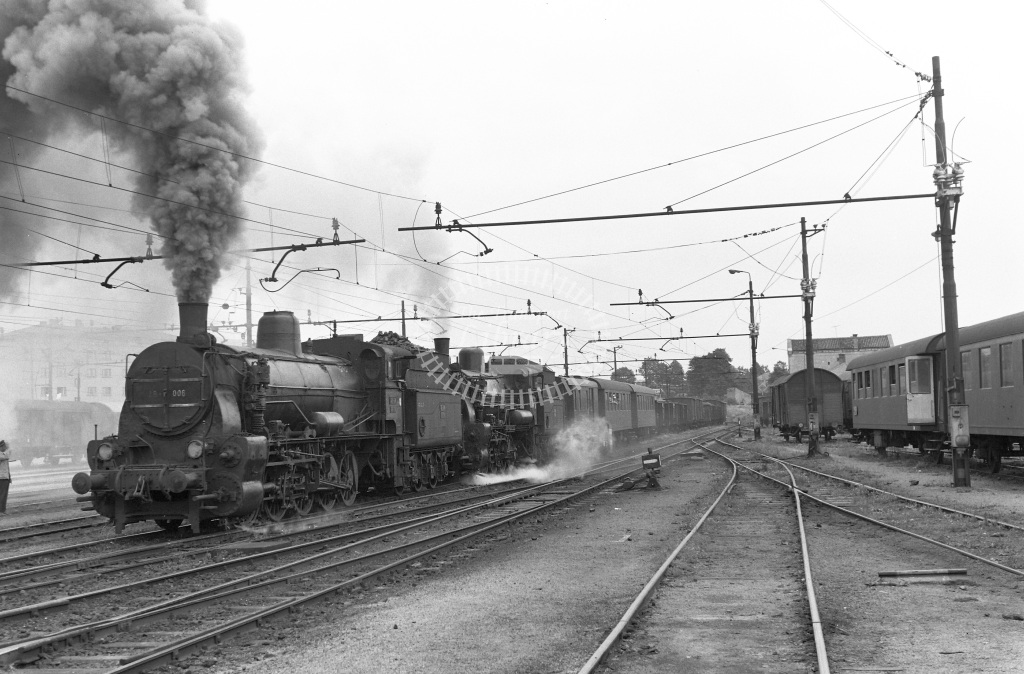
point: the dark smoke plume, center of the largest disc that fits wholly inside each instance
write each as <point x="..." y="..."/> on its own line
<point x="159" y="64"/>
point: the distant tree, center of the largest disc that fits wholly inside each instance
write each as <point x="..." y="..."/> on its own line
<point x="624" y="374"/>
<point x="676" y="379"/>
<point x="780" y="370"/>
<point x="669" y="378"/>
<point x="711" y="375"/>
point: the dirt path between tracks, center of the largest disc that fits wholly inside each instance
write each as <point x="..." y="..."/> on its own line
<point x="533" y="598"/>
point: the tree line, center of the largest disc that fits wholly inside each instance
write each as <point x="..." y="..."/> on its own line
<point x="707" y="376"/>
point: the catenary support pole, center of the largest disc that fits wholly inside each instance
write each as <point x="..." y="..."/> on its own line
<point x="753" y="362"/>
<point x="947" y="177"/>
<point x="807" y="286"/>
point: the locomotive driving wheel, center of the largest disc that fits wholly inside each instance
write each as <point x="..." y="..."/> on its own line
<point x="275" y="509"/>
<point x="303" y="504"/>
<point x="329" y="498"/>
<point x="348" y="478"/>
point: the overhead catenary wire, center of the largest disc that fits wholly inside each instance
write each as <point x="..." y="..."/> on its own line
<point x="864" y="36"/>
<point x="790" y="156"/>
<point x="210" y="147"/>
<point x="690" y="158"/>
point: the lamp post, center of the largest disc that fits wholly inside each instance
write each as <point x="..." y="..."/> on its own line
<point x="753" y="354"/>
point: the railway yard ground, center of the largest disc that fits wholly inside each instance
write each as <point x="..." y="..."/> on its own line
<point x="540" y="594"/>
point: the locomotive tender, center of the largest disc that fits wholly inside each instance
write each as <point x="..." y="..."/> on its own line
<point x="211" y="431"/>
<point x="899" y="394"/>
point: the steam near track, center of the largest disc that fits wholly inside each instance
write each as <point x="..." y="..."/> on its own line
<point x="574" y="449"/>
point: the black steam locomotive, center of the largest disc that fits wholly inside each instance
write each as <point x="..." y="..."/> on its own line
<point x="210" y="431"/>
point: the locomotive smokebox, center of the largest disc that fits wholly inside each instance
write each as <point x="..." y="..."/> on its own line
<point x="193" y="322"/>
<point x="472" y="359"/>
<point x="441" y="345"/>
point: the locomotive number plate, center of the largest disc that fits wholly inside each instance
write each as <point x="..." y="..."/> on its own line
<point x="172" y="392"/>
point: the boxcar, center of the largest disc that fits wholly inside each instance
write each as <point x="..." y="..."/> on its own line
<point x="789" y="403"/>
<point x="899" y="394"/>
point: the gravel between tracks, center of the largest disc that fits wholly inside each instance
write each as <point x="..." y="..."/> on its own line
<point x="535" y="597"/>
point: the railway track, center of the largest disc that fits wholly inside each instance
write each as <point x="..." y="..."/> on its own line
<point x="20" y="533"/>
<point x="751" y="551"/>
<point x="932" y="549"/>
<point x="277" y="579"/>
<point x="986" y="519"/>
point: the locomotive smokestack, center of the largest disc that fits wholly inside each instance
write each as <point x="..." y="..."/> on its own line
<point x="193" y="320"/>
<point x="441" y="349"/>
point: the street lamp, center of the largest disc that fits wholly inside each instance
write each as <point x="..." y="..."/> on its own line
<point x="753" y="354"/>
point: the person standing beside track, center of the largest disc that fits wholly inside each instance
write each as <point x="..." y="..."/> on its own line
<point x="5" y="475"/>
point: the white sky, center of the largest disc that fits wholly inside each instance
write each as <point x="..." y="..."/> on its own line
<point x="480" y="105"/>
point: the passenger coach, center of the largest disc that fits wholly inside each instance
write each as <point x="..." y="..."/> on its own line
<point x="899" y="395"/>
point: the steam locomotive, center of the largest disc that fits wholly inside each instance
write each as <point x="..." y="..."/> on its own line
<point x="211" y="431"/>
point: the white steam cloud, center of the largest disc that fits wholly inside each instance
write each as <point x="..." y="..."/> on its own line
<point x="575" y="449"/>
<point x="162" y="65"/>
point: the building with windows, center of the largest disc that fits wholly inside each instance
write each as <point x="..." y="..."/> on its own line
<point x="833" y="353"/>
<point x="59" y="360"/>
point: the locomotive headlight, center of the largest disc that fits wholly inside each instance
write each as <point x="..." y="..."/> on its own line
<point x="195" y="449"/>
<point x="105" y="451"/>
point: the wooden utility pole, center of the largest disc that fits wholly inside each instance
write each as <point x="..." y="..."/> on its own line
<point x="948" y="176"/>
<point x="754" y="402"/>
<point x="807" y="287"/>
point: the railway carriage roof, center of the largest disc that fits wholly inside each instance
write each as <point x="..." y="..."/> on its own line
<point x="822" y="371"/>
<point x="610" y="385"/>
<point x="643" y="390"/>
<point x="1007" y="326"/>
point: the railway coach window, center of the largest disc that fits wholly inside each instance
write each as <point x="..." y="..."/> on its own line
<point x="867" y="383"/>
<point x="920" y="376"/>
<point x="894" y="387"/>
<point x="1005" y="365"/>
<point x="985" y="367"/>
<point x="885" y="381"/>
<point x="903" y="379"/>
<point x="965" y="367"/>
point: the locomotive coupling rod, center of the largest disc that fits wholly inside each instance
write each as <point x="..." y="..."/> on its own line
<point x="206" y="497"/>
